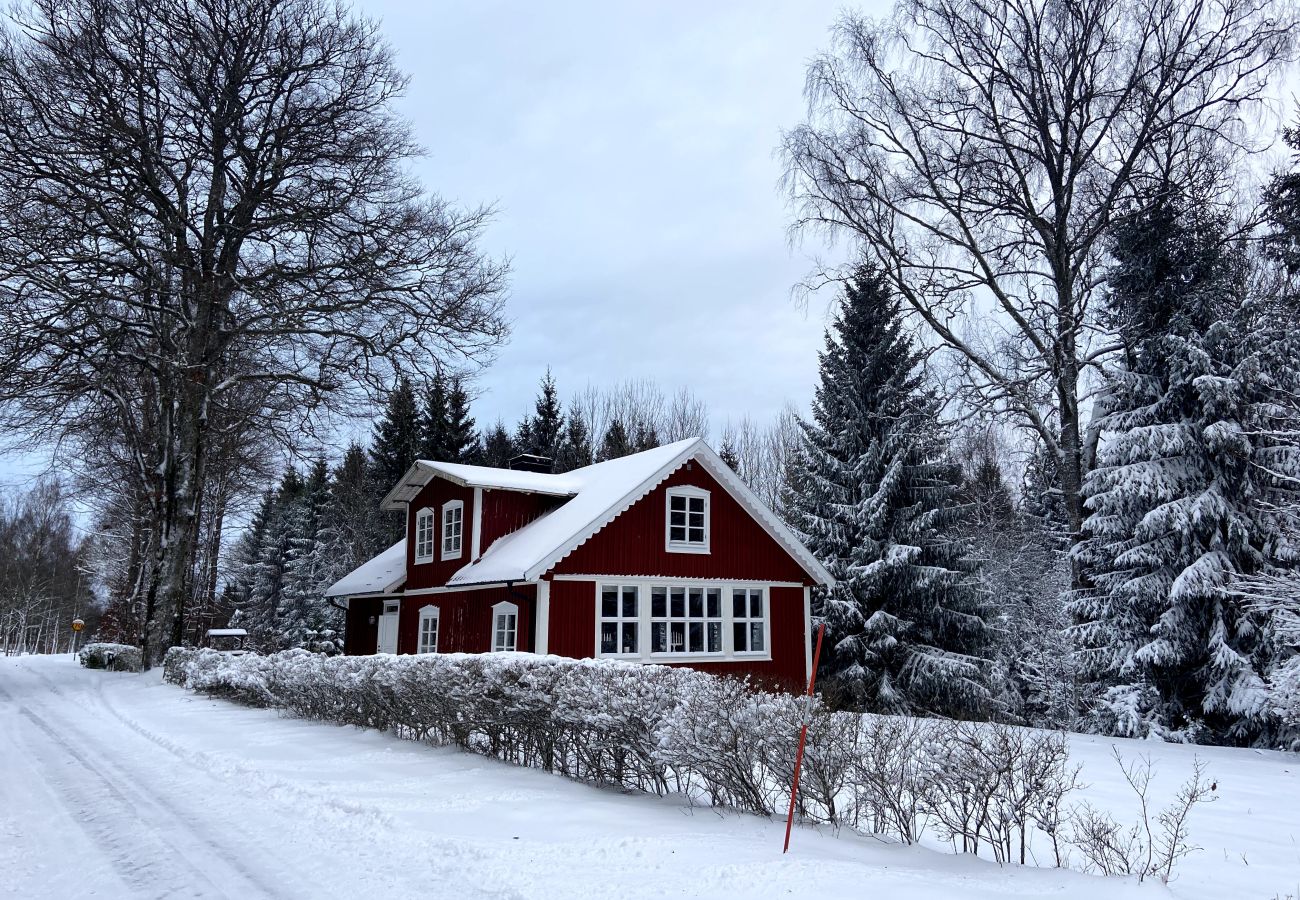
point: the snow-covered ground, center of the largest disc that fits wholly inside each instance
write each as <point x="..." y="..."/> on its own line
<point x="120" y="786"/>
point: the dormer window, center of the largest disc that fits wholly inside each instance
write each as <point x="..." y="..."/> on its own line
<point x="424" y="536"/>
<point x="687" y="520"/>
<point x="453" y="527"/>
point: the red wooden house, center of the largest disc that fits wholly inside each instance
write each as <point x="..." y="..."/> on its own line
<point x="664" y="556"/>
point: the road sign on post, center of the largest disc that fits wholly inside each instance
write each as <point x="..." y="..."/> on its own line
<point x="78" y="624"/>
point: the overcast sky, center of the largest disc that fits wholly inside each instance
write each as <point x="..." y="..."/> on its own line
<point x="629" y="149"/>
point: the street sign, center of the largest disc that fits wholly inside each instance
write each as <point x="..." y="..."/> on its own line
<point x="77" y="624"/>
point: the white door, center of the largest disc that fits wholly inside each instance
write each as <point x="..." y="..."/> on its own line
<point x="388" y="628"/>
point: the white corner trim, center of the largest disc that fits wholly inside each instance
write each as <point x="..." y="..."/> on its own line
<point x="807" y="633"/>
<point x="476" y="539"/>
<point x="542" y="623"/>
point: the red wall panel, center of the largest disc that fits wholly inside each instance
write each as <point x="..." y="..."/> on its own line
<point x="507" y="511"/>
<point x="633" y="544"/>
<point x="361" y="636"/>
<point x="465" y="619"/>
<point x="436" y="572"/>
<point x="572" y="629"/>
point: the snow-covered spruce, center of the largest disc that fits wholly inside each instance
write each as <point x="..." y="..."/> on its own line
<point x="1181" y="498"/>
<point x="876" y="503"/>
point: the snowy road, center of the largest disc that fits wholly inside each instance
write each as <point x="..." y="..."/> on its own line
<point x="119" y="786"/>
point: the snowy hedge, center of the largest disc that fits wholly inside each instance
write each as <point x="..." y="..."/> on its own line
<point x="662" y="730"/>
<point x="114" y="657"/>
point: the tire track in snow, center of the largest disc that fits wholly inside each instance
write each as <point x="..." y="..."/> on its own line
<point x="158" y="852"/>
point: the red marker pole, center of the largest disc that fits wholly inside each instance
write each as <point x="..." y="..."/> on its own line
<point x="803" y="735"/>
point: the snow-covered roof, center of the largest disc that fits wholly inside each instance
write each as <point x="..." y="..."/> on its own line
<point x="601" y="493"/>
<point x="381" y="575"/>
<point x="227" y="632"/>
<point x="478" y="476"/>
<point x="596" y="495"/>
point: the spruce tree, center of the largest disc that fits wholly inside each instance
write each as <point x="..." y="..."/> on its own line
<point x="1169" y="645"/>
<point x="462" y="440"/>
<point x="305" y="619"/>
<point x="435" y="422"/>
<point x="396" y="442"/>
<point x="727" y="453"/>
<point x="575" y="448"/>
<point x="498" y="449"/>
<point x="547" y="425"/>
<point x="645" y="436"/>
<point x="872" y="494"/>
<point x="615" y="443"/>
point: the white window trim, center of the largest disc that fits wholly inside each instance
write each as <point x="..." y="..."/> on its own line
<point x="644" y="586"/>
<point x="688" y="491"/>
<point x="447" y="508"/>
<point x="424" y="557"/>
<point x="505" y="607"/>
<point x="427" y="613"/>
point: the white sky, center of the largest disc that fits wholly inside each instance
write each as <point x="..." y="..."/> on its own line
<point x="630" y="150"/>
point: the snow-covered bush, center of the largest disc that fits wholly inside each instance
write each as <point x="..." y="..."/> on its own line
<point x="114" y="657"/>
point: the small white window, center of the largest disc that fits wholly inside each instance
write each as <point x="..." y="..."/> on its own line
<point x="505" y="627"/>
<point x="428" y="630"/>
<point x="687" y="520"/>
<point x="453" y="526"/>
<point x="424" y="536"/>
<point x="748" y="620"/>
<point x="620" y="618"/>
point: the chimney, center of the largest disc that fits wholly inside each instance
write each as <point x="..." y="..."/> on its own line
<point x="529" y="462"/>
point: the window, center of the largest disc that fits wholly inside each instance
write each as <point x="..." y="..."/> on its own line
<point x="685" y="620"/>
<point x="657" y="621"/>
<point x="748" y="622"/>
<point x="453" y="525"/>
<point x="424" y="535"/>
<point x="620" y="620"/>
<point x="687" y="523"/>
<point x="505" y="625"/>
<point x="428" y="630"/>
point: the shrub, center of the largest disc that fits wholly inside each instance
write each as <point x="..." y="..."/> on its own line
<point x="113" y="657"/>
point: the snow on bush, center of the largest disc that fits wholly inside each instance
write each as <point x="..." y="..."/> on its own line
<point x="114" y="657"/>
<point x="984" y="787"/>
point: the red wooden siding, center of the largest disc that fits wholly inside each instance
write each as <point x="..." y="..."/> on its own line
<point x="361" y="636"/>
<point x="572" y="629"/>
<point x="465" y="619"/>
<point x="633" y="544"/>
<point x="436" y="572"/>
<point x="507" y="511"/>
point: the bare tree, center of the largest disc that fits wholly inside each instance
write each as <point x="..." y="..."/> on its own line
<point x="979" y="151"/>
<point x="205" y="215"/>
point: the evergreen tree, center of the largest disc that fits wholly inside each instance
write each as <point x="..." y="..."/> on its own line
<point x="435" y="422"/>
<point x="305" y="619"/>
<point x="1041" y="498"/>
<point x="645" y="437"/>
<point x="1173" y="514"/>
<point x="462" y="440"/>
<point x="616" y="442"/>
<point x="575" y="449"/>
<point x="727" y="453"/>
<point x="874" y="499"/>
<point x="547" y="425"/>
<point x="497" y="447"/>
<point x="522" y="441"/>
<point x="397" y="438"/>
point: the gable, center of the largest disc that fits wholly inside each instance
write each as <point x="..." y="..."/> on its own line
<point x="432" y="496"/>
<point x="633" y="543"/>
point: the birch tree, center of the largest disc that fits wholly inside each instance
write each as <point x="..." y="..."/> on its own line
<point x="980" y="150"/>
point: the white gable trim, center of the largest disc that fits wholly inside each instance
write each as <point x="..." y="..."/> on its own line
<point x="700" y="451"/>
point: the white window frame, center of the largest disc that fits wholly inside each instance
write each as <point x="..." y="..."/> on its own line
<point x="748" y="620"/>
<point x="432" y="614"/>
<point x="504" y="608"/>
<point x="424" y="523"/>
<point x="621" y="619"/>
<point x="687" y="546"/>
<point x="646" y="619"/>
<point x="452" y="506"/>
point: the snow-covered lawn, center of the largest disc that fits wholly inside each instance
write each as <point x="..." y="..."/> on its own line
<point x="117" y="785"/>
